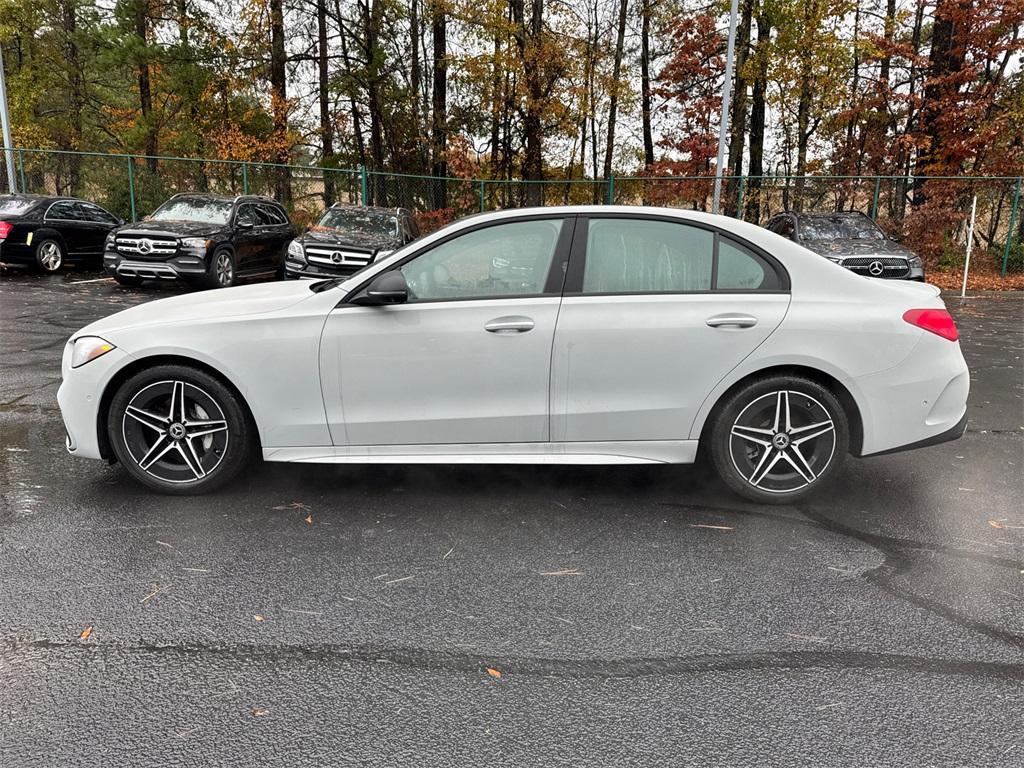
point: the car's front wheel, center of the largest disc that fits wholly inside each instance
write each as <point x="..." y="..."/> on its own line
<point x="777" y="439"/>
<point x="221" y="272"/>
<point x="179" y="430"/>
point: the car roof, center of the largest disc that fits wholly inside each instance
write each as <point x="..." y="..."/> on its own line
<point x="225" y="198"/>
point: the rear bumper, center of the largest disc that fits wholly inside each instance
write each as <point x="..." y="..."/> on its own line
<point x="953" y="433"/>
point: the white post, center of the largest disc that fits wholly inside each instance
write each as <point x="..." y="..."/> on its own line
<point x="970" y="244"/>
<point x="5" y="124"/>
<point x="723" y="127"/>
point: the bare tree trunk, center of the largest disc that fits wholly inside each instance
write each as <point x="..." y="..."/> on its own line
<point x="326" y="121"/>
<point x="145" y="92"/>
<point x="76" y="94"/>
<point x="279" y="99"/>
<point x="528" y="40"/>
<point x="439" y="104"/>
<point x="758" y="111"/>
<point x="738" y="111"/>
<point x="645" y="82"/>
<point x="613" y="101"/>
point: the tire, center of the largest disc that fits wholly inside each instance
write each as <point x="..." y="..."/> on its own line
<point x="127" y="280"/>
<point x="173" y="452"/>
<point x="221" y="272"/>
<point x="766" y="458"/>
<point x="49" y="256"/>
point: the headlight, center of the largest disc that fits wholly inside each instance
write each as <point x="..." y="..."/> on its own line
<point x="295" y="250"/>
<point x="915" y="262"/>
<point x="110" y="241"/>
<point x="195" y="244"/>
<point x="88" y="348"/>
<point x="834" y="259"/>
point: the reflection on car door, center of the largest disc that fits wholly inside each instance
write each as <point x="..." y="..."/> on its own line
<point x="96" y="224"/>
<point x="66" y="217"/>
<point x="248" y="239"/>
<point x="639" y="342"/>
<point x="467" y="358"/>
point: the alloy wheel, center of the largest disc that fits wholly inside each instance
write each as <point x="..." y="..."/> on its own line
<point x="50" y="257"/>
<point x="782" y="441"/>
<point x="175" y="431"/>
<point x="225" y="270"/>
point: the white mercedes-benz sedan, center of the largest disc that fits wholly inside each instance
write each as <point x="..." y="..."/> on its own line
<point x="576" y="335"/>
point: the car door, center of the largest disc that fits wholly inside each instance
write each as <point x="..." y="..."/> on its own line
<point x="279" y="233"/>
<point x="97" y="224"/>
<point x="467" y="358"/>
<point x="65" y="217"/>
<point x="248" y="239"/>
<point x="655" y="313"/>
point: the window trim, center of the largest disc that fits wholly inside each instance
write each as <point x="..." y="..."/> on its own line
<point x="577" y="260"/>
<point x="553" y="283"/>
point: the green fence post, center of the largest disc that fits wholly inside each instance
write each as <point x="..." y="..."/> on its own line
<point x="739" y="197"/>
<point x="481" y="195"/>
<point x="1013" y="223"/>
<point x="21" y="169"/>
<point x="245" y="178"/>
<point x="131" y="185"/>
<point x="874" y="198"/>
<point x="611" y="189"/>
<point x="364" y="186"/>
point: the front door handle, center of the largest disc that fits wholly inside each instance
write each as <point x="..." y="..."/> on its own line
<point x="509" y="324"/>
<point x="732" y="321"/>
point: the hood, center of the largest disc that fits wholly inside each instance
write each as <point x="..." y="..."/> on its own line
<point x="352" y="239"/>
<point x="202" y="306"/>
<point x="174" y="228"/>
<point x="844" y="248"/>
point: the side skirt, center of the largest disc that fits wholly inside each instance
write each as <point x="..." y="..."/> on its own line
<point x="616" y="452"/>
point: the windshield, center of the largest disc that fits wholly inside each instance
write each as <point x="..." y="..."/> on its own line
<point x="839" y="228"/>
<point x="14" y="206"/>
<point x="364" y="222"/>
<point x="194" y="209"/>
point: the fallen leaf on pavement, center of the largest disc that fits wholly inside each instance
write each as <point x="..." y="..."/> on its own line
<point x="85" y="633"/>
<point x="494" y="673"/>
<point x="259" y="712"/>
<point x="309" y="519"/>
<point x="996" y="523"/>
<point x="257" y="617"/>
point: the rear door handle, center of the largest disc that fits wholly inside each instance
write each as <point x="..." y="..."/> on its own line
<point x="509" y="324"/>
<point x="732" y="321"/>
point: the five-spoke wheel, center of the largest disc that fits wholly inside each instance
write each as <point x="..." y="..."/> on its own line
<point x="776" y="438"/>
<point x="178" y="429"/>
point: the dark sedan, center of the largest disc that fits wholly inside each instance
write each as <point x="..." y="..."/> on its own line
<point x="347" y="238"/>
<point x="851" y="240"/>
<point x="49" y="232"/>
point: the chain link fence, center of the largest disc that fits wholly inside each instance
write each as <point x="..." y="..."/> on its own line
<point x="932" y="211"/>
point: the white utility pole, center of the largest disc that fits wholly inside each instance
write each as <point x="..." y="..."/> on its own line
<point x="5" y="123"/>
<point x="970" y="244"/>
<point x="723" y="127"/>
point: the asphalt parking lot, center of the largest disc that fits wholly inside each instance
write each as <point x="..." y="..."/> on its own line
<point x="526" y="616"/>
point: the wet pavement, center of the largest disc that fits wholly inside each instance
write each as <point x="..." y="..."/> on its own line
<point x="491" y="616"/>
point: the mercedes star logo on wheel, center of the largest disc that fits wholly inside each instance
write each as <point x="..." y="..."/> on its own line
<point x="145" y="246"/>
<point x="876" y="268"/>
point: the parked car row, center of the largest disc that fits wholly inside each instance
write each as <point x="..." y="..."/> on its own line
<point x="206" y="240"/>
<point x="211" y="241"/>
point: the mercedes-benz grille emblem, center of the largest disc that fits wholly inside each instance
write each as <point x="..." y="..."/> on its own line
<point x="336" y="257"/>
<point x="876" y="268"/>
<point x="145" y="246"/>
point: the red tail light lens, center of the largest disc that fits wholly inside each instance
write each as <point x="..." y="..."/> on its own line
<point x="5" y="229"/>
<point x="937" y="321"/>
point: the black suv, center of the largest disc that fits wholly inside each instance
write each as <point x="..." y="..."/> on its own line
<point x="49" y="232"/>
<point x="347" y="238"/>
<point x="203" y="239"/>
<point x="851" y="240"/>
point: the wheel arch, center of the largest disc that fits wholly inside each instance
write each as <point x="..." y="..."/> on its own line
<point x="829" y="382"/>
<point x="48" y="233"/>
<point x="141" y="364"/>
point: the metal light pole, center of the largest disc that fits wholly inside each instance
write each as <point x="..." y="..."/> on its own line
<point x="723" y="127"/>
<point x="5" y="123"/>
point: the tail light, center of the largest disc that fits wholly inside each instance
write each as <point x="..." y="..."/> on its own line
<point x="937" y="321"/>
<point x="5" y="229"/>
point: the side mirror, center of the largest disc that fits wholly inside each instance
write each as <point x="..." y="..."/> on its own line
<point x="120" y="222"/>
<point x="386" y="288"/>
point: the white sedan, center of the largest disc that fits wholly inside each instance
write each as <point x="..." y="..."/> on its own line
<point x="577" y="335"/>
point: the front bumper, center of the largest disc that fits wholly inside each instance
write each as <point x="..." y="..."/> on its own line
<point x="79" y="396"/>
<point x="294" y="270"/>
<point x="176" y="267"/>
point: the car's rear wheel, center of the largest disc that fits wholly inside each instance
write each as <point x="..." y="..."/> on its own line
<point x="179" y="430"/>
<point x="49" y="255"/>
<point x="777" y="439"/>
